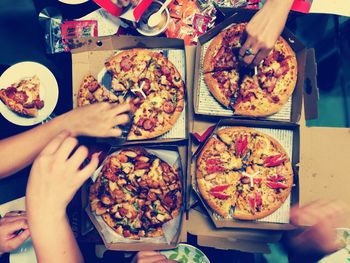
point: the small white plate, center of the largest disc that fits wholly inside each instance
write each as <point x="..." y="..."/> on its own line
<point x="73" y="2"/>
<point x="342" y="255"/>
<point x="185" y="253"/>
<point x="24" y="254"/>
<point x="48" y="91"/>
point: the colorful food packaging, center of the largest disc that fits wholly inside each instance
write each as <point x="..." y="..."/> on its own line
<point x="72" y="30"/>
<point x="189" y="20"/>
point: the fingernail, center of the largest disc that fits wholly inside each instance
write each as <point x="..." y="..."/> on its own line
<point x="97" y="154"/>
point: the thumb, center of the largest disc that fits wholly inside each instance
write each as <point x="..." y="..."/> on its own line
<point x="18" y="240"/>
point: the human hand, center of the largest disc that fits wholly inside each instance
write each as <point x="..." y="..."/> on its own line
<point x="263" y="30"/>
<point x="56" y="176"/>
<point x="97" y="120"/>
<point x="150" y="257"/>
<point x="13" y="231"/>
<point x="320" y="237"/>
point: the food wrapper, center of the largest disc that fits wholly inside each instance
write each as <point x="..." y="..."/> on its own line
<point x="53" y="37"/>
<point x="170" y="228"/>
<point x="72" y="30"/>
<point x="188" y="20"/>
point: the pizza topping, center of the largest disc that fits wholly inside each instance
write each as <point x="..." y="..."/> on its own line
<point x="241" y="146"/>
<point x="277" y="178"/>
<point x="93" y="86"/>
<point x="274" y="160"/>
<point x="39" y="104"/>
<point x="148" y="124"/>
<point x="145" y="84"/>
<point x="126" y="64"/>
<point x="220" y="195"/>
<point x="276" y="185"/>
<point x="166" y="71"/>
<point x="168" y="107"/>
<point x="219" y="188"/>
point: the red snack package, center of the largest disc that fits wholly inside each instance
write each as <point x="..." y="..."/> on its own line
<point x="71" y="30"/>
<point x="250" y="2"/>
<point x="187" y="33"/>
<point x="173" y="28"/>
<point x="254" y="6"/>
<point x="200" y="23"/>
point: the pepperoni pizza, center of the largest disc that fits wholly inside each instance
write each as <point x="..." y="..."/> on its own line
<point x="249" y="94"/>
<point x="149" y="81"/>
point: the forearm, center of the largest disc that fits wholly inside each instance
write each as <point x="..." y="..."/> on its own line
<point x="53" y="241"/>
<point x="20" y="150"/>
<point x="280" y="5"/>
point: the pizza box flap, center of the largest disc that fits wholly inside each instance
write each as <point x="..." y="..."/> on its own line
<point x="90" y="57"/>
<point x="296" y="45"/>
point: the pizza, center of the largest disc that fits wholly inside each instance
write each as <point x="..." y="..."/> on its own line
<point x="249" y="93"/>
<point x="136" y="193"/>
<point x="147" y="80"/>
<point x="243" y="173"/>
<point x="23" y="97"/>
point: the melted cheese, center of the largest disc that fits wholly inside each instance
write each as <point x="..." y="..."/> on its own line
<point x="154" y="171"/>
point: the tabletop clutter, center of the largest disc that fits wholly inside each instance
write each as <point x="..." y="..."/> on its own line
<point x="243" y="169"/>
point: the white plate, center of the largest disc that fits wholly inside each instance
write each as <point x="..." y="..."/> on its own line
<point x="48" y="91"/>
<point x="73" y="2"/>
<point x="342" y="255"/>
<point x="185" y="253"/>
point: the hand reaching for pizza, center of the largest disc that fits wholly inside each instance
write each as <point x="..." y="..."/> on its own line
<point x="13" y="231"/>
<point x="320" y="238"/>
<point x="263" y="30"/>
<point x="150" y="257"/>
<point x="97" y="120"/>
<point x="56" y="175"/>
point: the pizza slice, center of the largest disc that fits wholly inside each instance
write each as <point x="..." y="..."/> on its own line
<point x="223" y="85"/>
<point x="156" y="115"/>
<point x="222" y="53"/>
<point x="127" y="67"/>
<point x="23" y="97"/>
<point x="92" y="92"/>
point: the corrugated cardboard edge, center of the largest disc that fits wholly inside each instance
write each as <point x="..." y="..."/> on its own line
<point x="311" y="92"/>
<point x="242" y="15"/>
<point x="229" y="223"/>
<point x="81" y="67"/>
<point x="181" y="235"/>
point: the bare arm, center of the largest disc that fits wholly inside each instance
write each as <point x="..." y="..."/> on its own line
<point x="264" y="29"/>
<point x="97" y="120"/>
<point x="54" y="179"/>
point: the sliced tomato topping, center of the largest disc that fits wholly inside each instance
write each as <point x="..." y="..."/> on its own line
<point x="251" y="201"/>
<point x="220" y="195"/>
<point x="215" y="168"/>
<point x="277" y="178"/>
<point x="258" y="199"/>
<point x="219" y="188"/>
<point x="241" y="146"/>
<point x="213" y="161"/>
<point x="276" y="185"/>
<point x="274" y="160"/>
<point x="126" y="64"/>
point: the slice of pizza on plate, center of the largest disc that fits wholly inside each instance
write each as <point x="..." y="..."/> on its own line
<point x="23" y="97"/>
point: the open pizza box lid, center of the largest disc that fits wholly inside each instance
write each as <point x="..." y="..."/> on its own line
<point x="206" y="104"/>
<point x="90" y="57"/>
<point x="179" y="236"/>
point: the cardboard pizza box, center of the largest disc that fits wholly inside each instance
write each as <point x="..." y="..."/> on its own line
<point x="206" y="104"/>
<point x="92" y="54"/>
<point x="287" y="134"/>
<point x="98" y="235"/>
